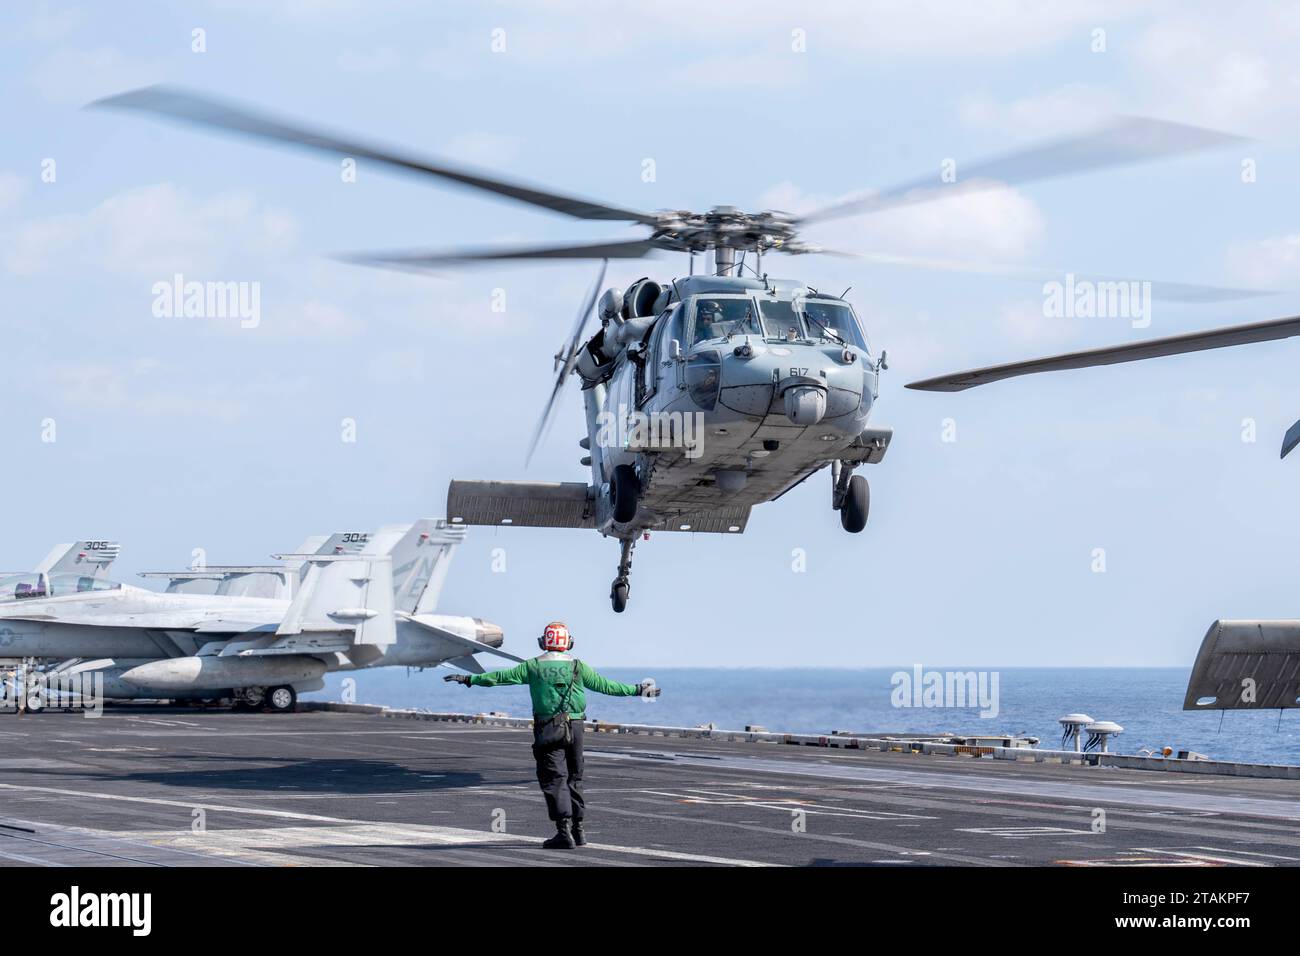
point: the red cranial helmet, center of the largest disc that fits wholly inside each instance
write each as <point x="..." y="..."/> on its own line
<point x="555" y="637"/>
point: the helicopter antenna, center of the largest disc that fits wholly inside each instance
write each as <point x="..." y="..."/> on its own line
<point x="846" y="292"/>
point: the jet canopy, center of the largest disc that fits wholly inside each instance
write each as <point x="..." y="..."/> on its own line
<point x="19" y="587"/>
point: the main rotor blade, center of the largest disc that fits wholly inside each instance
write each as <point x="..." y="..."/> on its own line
<point x="1169" y="291"/>
<point x="1113" y="355"/>
<point x="1120" y="142"/>
<point x="630" y="249"/>
<point x="570" y="360"/>
<point x="193" y="108"/>
<point x="1291" y="439"/>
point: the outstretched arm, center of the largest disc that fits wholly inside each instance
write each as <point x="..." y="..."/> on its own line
<point x="514" y="675"/>
<point x="603" y="685"/>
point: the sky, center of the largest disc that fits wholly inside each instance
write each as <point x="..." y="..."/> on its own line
<point x="1097" y="517"/>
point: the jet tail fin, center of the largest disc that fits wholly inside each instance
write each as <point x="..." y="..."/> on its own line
<point x="421" y="555"/>
<point x="346" y="593"/>
<point x="86" y="557"/>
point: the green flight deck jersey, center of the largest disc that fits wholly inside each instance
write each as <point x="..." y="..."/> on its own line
<point x="548" y="678"/>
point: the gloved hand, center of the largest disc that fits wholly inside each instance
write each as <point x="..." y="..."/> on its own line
<point x="458" y="679"/>
<point x="647" y="689"/>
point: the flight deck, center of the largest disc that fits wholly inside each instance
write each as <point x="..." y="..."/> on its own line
<point x="174" y="787"/>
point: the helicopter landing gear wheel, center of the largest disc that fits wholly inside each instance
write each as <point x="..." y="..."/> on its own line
<point x="625" y="493"/>
<point x="856" y="506"/>
<point x="618" y="591"/>
<point x="618" y="595"/>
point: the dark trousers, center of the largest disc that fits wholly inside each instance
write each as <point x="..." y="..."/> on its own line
<point x="559" y="774"/>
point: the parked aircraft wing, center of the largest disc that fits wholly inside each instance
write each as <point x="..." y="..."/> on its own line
<point x="233" y="625"/>
<point x="1114" y="355"/>
<point x="531" y="504"/>
<point x="1246" y="665"/>
<point x="87" y="557"/>
<point x="259" y="581"/>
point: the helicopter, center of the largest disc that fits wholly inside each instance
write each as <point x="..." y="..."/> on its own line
<point x="707" y="394"/>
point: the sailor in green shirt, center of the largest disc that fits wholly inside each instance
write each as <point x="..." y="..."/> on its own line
<point x="557" y="683"/>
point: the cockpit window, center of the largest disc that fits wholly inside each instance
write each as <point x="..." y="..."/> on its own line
<point x="69" y="582"/>
<point x="779" y="317"/>
<point x="17" y="587"/>
<point x="20" y="587"/>
<point x="720" y="317"/>
<point x="832" y="320"/>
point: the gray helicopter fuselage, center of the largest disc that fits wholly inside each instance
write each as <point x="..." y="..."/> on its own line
<point x="718" y="417"/>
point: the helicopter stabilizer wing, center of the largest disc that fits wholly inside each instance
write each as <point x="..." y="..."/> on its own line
<point x="531" y="504"/>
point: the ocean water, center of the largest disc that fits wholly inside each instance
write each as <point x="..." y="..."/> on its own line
<point x="1146" y="702"/>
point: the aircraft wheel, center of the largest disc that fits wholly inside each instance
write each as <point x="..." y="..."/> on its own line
<point x="281" y="700"/>
<point x="857" y="503"/>
<point x="618" y="596"/>
<point x="625" y="490"/>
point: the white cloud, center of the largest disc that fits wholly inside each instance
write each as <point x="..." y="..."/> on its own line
<point x="12" y="189"/>
<point x="48" y="23"/>
<point x="999" y="223"/>
<point x="1221" y="68"/>
<point x="154" y="231"/>
<point x="149" y="387"/>
<point x="78" y="76"/>
<point x="1069" y="109"/>
<point x="886" y="29"/>
<point x="1265" y="262"/>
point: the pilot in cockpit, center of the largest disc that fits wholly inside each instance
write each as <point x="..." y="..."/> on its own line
<point x="708" y="315"/>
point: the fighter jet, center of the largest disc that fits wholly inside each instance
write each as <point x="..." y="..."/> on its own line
<point x="367" y="608"/>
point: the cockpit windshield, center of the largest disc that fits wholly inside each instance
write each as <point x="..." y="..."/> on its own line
<point x="827" y="318"/>
<point x="719" y="317"/>
<point x="780" y="320"/>
<point x="20" y="587"/>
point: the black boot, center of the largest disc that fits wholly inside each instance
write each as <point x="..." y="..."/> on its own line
<point x="579" y="835"/>
<point x="563" y="839"/>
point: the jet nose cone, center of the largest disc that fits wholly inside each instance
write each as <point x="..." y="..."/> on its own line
<point x="485" y="632"/>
